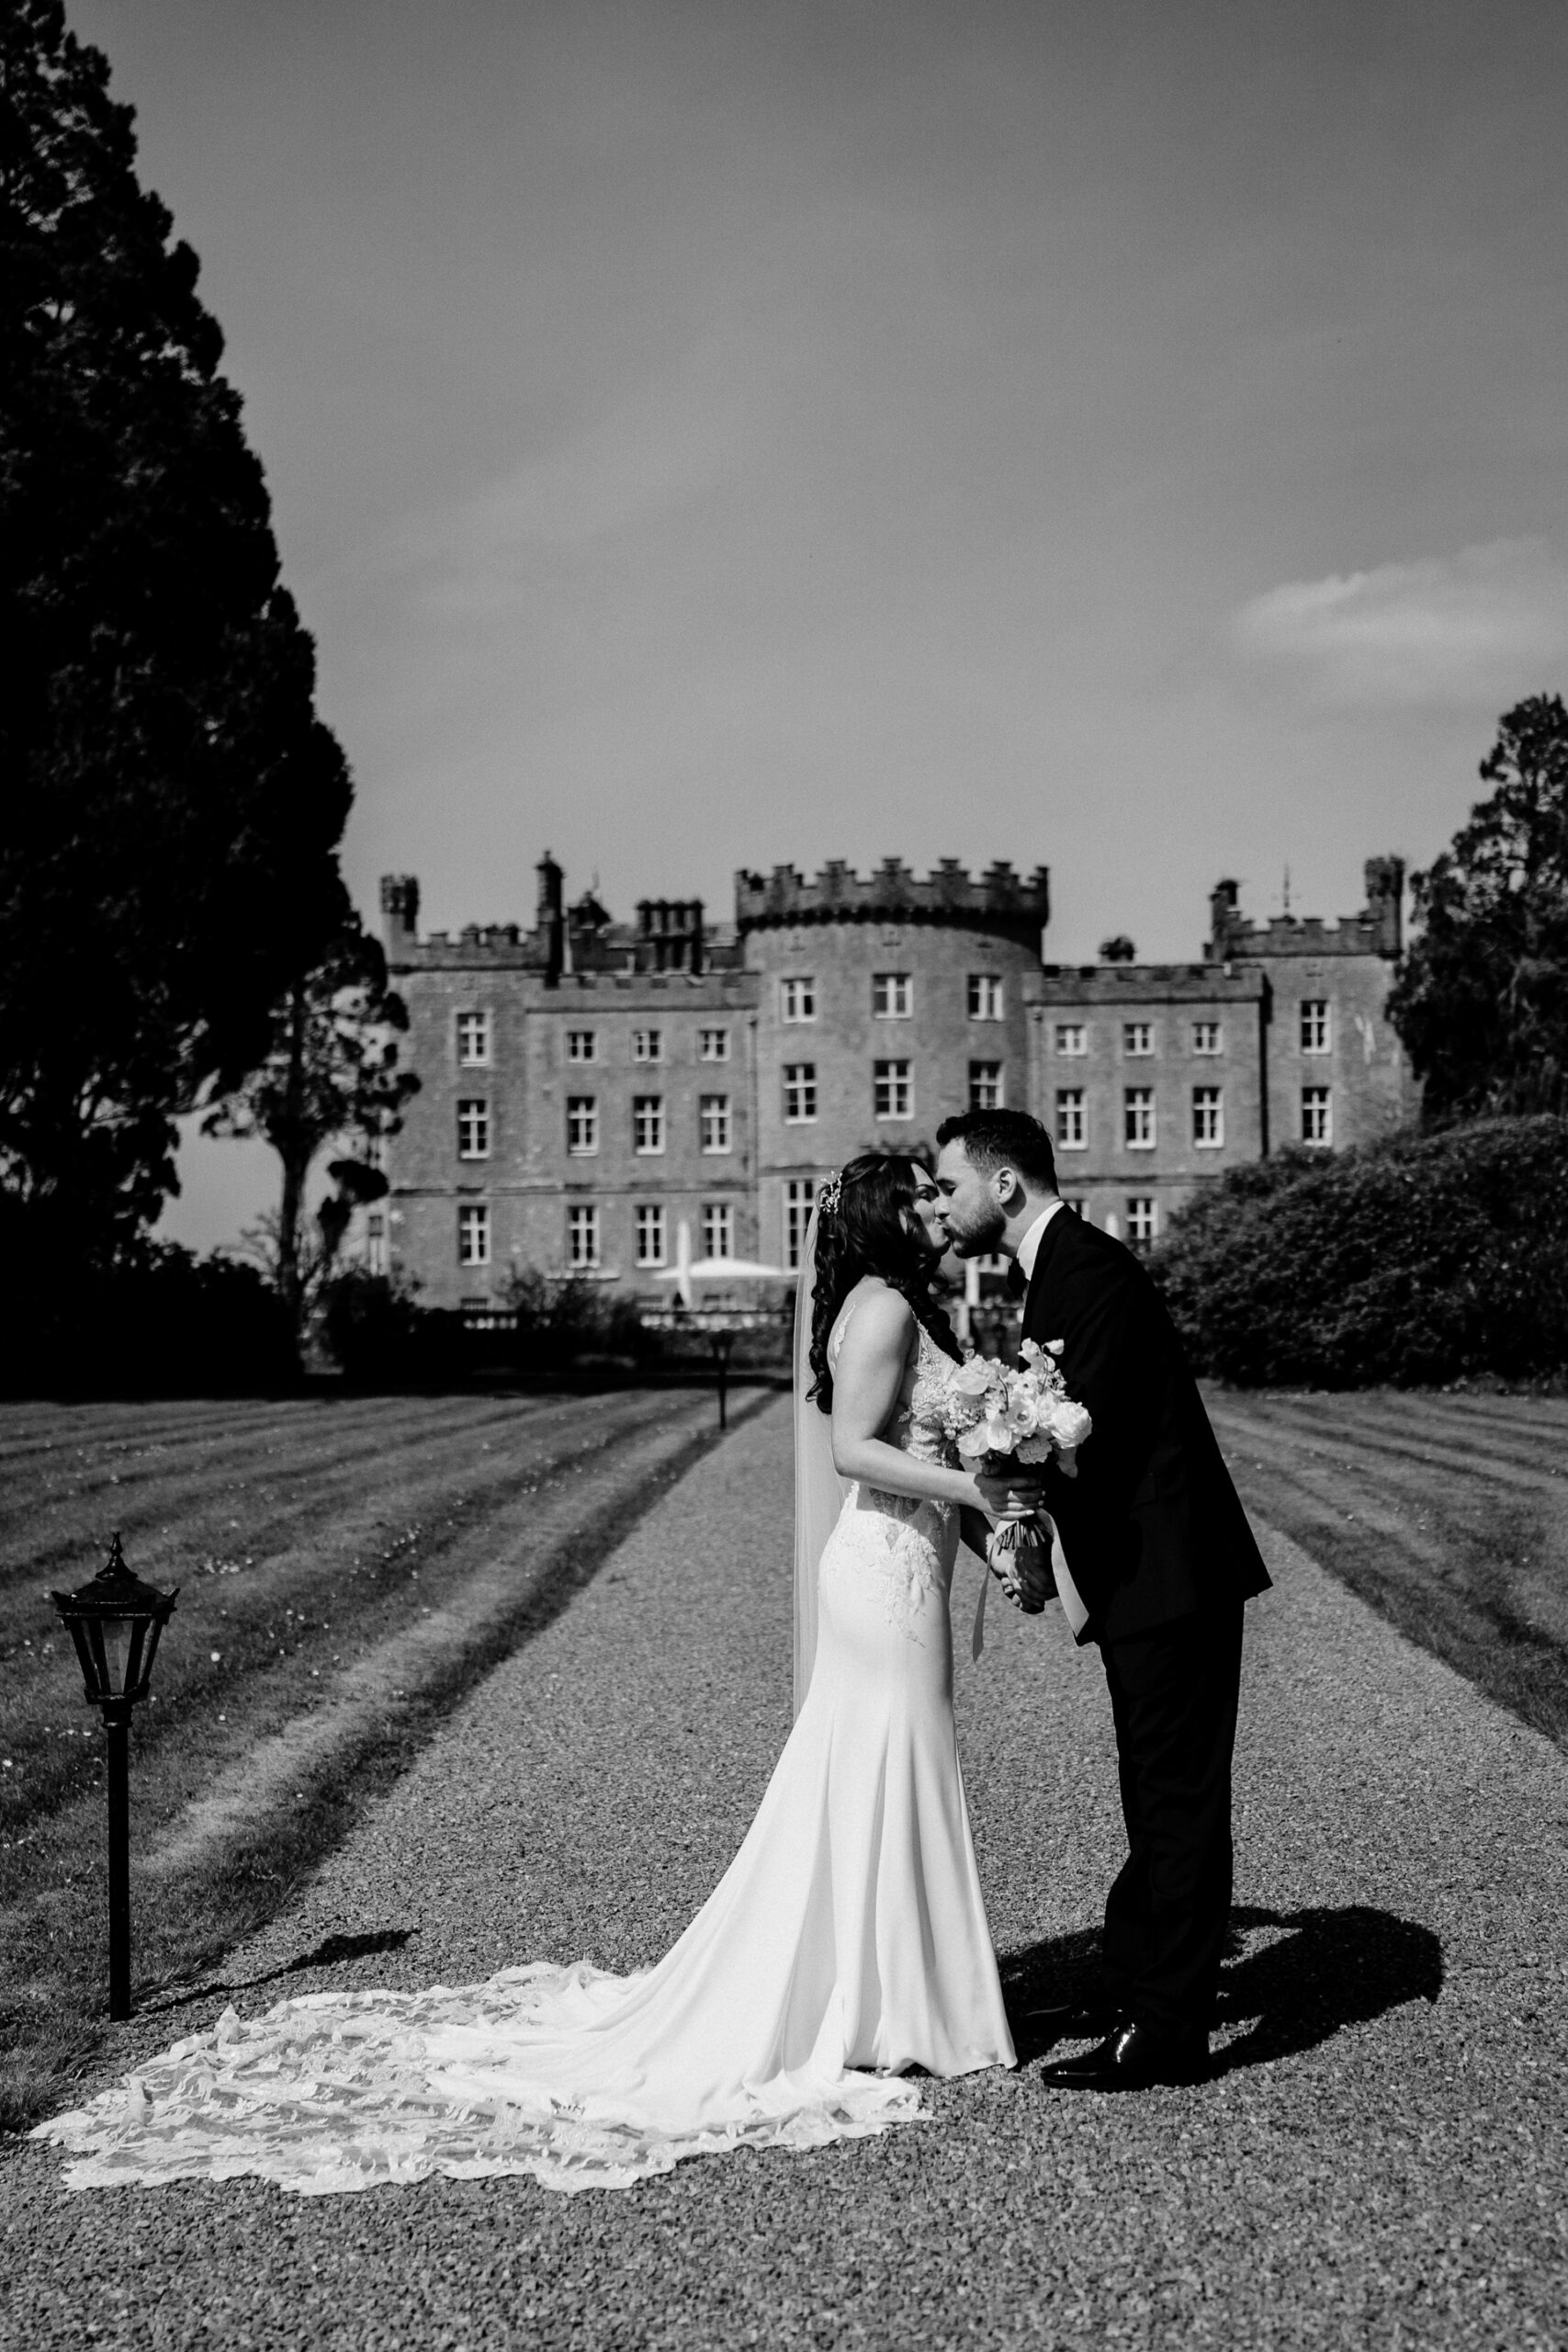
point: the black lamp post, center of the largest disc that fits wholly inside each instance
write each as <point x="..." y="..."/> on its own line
<point x="115" y="1623"/>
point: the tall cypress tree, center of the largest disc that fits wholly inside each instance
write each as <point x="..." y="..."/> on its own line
<point x="171" y="805"/>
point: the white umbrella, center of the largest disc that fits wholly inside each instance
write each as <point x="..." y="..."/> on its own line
<point x="688" y="1269"/>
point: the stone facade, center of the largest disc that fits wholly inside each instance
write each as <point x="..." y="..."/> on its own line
<point x="590" y="1087"/>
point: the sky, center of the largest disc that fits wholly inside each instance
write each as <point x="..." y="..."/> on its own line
<point x="1122" y="434"/>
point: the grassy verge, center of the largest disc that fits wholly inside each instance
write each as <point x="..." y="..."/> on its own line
<point x="310" y="1540"/>
<point x="1447" y="1512"/>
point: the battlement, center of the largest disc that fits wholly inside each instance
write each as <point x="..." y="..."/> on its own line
<point x="999" y="901"/>
<point x="1128" y="985"/>
<point x="1378" y="930"/>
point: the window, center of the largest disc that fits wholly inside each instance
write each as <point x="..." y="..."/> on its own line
<point x="473" y="1237"/>
<point x="891" y="996"/>
<point x="1208" y="1037"/>
<point x="1137" y="1036"/>
<point x="985" y="996"/>
<point x="473" y="1127"/>
<point x="1140" y="1221"/>
<point x="1072" y="1119"/>
<point x="1315" y="1024"/>
<point x="1317" y="1116"/>
<point x="648" y="1045"/>
<point x="473" y="1040"/>
<point x="377" y="1260"/>
<point x="1139" y="1118"/>
<point x="893" y="1089"/>
<point x="799" y="1093"/>
<point x="800" y="1197"/>
<point x="718" y="1230"/>
<point x="582" y="1124"/>
<point x="714" y="1111"/>
<point x="582" y="1240"/>
<point x="797" y="1000"/>
<point x="651" y="1242"/>
<point x="713" y="1044"/>
<point x="647" y="1122"/>
<point x="581" y="1046"/>
<point x="1207" y="1117"/>
<point x="1072" y="1038"/>
<point x="985" y="1086"/>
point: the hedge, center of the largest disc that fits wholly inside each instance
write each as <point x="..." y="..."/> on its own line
<point x="1415" y="1261"/>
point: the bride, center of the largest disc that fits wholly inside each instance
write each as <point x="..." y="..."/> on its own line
<point x="846" y="1943"/>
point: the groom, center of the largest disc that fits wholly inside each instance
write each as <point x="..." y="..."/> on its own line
<point x="1159" y="1559"/>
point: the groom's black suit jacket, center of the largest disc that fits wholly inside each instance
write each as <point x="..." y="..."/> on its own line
<point x="1152" y="1526"/>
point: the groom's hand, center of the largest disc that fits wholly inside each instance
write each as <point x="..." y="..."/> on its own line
<point x="1027" y="1581"/>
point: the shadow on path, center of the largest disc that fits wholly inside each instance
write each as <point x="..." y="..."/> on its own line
<point x="328" y="1953"/>
<point x="1296" y="1977"/>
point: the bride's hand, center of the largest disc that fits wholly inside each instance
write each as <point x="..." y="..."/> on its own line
<point x="1009" y="1494"/>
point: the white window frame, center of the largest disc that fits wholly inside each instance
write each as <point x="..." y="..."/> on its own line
<point x="713" y="1044"/>
<point x="1142" y="1220"/>
<point x="648" y="1046"/>
<point x="473" y="1234"/>
<point x="474" y="1034"/>
<point x="799" y="1094"/>
<point x="649" y="1126"/>
<point x="651" y="1228"/>
<point x="1208" y="1037"/>
<point x="1137" y="1040"/>
<point x="1208" y="1118"/>
<point x="799" y="1200"/>
<point x="581" y="1127"/>
<point x="473" y="1126"/>
<point x="1072" y="1118"/>
<point x="1317" y="1115"/>
<point x="987" y="1086"/>
<point x="1139" y="1130"/>
<point x="715" y="1124"/>
<point x="892" y="996"/>
<point x="582" y="1044"/>
<point x="985" y="997"/>
<point x="718" y="1228"/>
<point x="1072" y="1040"/>
<point x="893" y="1092"/>
<point x="1315" y="1031"/>
<point x="797" y="998"/>
<point x="582" y="1238"/>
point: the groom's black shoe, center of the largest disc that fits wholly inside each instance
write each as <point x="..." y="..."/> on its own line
<point x="1133" y="2058"/>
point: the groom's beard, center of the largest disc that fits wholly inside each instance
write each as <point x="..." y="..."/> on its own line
<point x="976" y="1233"/>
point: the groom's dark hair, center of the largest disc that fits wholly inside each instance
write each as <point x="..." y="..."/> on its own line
<point x="1003" y="1139"/>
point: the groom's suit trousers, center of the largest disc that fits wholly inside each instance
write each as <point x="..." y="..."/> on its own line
<point x="1173" y="1693"/>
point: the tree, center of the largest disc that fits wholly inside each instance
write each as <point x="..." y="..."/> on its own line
<point x="331" y="1070"/>
<point x="1482" y="1003"/>
<point x="172" y="804"/>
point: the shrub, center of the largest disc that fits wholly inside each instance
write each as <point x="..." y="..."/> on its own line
<point x="1415" y="1261"/>
<point x="155" y="1321"/>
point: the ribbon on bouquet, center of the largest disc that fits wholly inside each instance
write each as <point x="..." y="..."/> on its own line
<point x="1067" y="1593"/>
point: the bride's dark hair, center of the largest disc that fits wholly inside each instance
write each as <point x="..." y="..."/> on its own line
<point x="871" y="1231"/>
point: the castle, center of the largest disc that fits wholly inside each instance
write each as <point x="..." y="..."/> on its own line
<point x="588" y="1087"/>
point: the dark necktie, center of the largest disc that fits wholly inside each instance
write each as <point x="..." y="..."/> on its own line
<point x="1018" y="1280"/>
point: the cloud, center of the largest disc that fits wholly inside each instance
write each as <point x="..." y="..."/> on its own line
<point x="1484" y="624"/>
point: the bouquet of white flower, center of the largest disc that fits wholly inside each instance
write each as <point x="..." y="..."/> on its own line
<point x="996" y="1413"/>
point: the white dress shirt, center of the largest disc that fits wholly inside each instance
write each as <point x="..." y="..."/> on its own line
<point x="1028" y="1247"/>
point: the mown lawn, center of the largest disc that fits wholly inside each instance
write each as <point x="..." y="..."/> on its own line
<point x="308" y="1537"/>
<point x="1448" y="1512"/>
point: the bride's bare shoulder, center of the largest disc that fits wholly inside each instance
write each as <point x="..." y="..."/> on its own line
<point x="877" y="1313"/>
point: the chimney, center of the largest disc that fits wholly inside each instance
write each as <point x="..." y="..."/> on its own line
<point x="1385" y="902"/>
<point x="399" y="912"/>
<point x="550" y="923"/>
<point x="1223" y="918"/>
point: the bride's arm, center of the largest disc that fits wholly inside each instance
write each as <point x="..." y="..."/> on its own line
<point x="867" y="1378"/>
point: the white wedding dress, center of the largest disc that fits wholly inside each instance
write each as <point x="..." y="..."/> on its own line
<point x="846" y="1942"/>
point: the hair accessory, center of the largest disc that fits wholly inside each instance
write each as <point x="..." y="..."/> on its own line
<point x="832" y="1192"/>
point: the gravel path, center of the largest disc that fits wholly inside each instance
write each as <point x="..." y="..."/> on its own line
<point x="1382" y="2162"/>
